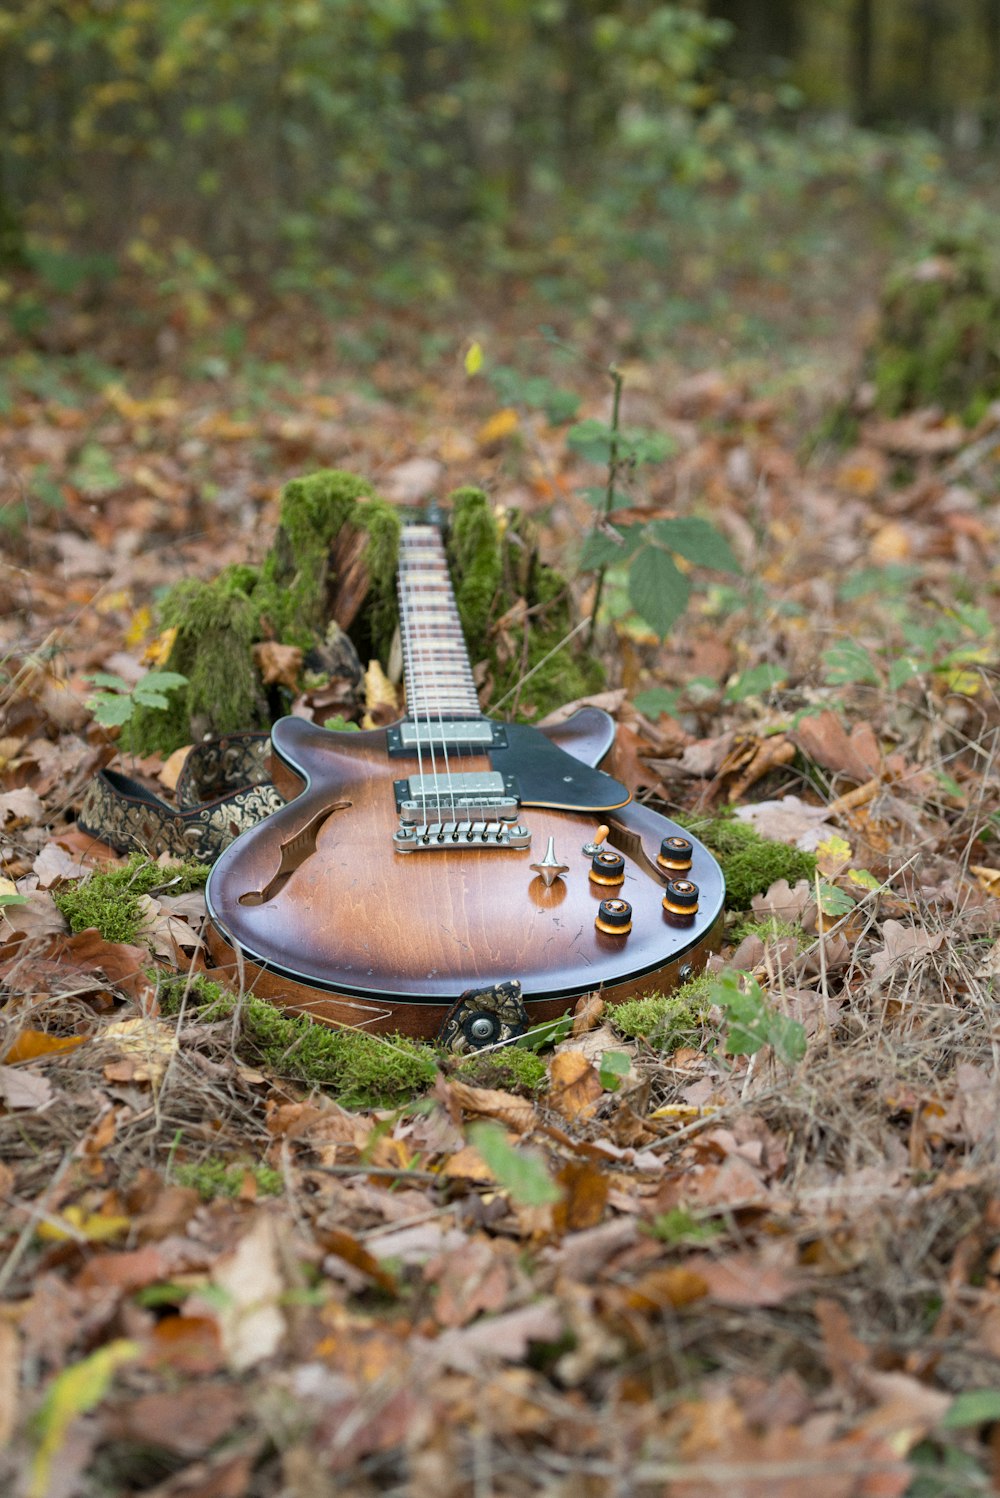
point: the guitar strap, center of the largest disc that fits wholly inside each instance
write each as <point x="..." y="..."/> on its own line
<point x="224" y="788"/>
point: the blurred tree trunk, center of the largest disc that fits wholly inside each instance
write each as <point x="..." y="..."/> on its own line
<point x="990" y="13"/>
<point x="761" y="32"/>
<point x="929" y="108"/>
<point x="862" y="41"/>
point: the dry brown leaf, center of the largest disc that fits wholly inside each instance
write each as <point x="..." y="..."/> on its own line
<point x="187" y="1421"/>
<point x="24" y="1090"/>
<point x="251" y="1321"/>
<point x="903" y="944"/>
<point x="490" y="1102"/>
<point x="279" y="665"/>
<point x="673" y="1285"/>
<point x="825" y="741"/>
<point x="790" y="820"/>
<point x="10" y="1367"/>
<point x="574" y="1086"/>
<point x="585" y="1190"/>
<point x="505" y="1338"/>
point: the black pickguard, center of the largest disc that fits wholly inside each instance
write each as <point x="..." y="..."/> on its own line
<point x="546" y="775"/>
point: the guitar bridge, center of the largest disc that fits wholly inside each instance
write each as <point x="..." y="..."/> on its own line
<point x="435" y="837"/>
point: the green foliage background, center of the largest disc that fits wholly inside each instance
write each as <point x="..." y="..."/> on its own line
<point x="313" y="142"/>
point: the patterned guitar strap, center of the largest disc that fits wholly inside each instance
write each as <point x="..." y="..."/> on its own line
<point x="224" y="788"/>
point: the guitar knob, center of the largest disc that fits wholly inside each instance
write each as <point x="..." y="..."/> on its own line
<point x="614" y="917"/>
<point x="607" y="867"/>
<point x="674" y="856"/>
<point x="680" y="902"/>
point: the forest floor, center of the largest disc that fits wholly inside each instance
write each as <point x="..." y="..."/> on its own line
<point x="713" y="1272"/>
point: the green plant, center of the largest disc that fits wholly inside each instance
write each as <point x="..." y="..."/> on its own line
<point x="117" y="703"/>
<point x="522" y="1172"/>
<point x="681" y="1228"/>
<point x="752" y="1022"/>
<point x="658" y="590"/>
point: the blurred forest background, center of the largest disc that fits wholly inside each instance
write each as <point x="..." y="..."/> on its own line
<point x="715" y="172"/>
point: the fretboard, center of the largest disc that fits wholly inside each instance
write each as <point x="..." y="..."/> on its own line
<point x="438" y="676"/>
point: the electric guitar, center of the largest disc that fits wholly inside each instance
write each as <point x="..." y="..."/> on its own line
<point x="452" y="854"/>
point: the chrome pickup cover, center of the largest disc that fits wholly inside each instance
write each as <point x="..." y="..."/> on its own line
<point x="435" y="837"/>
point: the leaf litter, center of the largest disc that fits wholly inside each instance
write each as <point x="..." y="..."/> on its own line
<point x="706" y="1266"/>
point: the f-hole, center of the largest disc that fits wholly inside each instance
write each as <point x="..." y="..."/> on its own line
<point x="293" y="853"/>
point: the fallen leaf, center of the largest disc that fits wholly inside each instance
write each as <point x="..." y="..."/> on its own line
<point x="574" y="1085"/>
<point x="24" y="1089"/>
<point x="187" y="1421"/>
<point x="790" y="820"/>
<point x="10" y="1367"/>
<point x="251" y="1323"/>
<point x="147" y="1045"/>
<point x="279" y="665"/>
<point x="28" y="1045"/>
<point x="505" y="1338"/>
<point x="902" y="944"/>
<point x="71" y="1393"/>
<point x="490" y="1102"/>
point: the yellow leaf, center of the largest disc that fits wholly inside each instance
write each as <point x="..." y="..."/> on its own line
<point x="139" y="627"/>
<point x="891" y="543"/>
<point x="833" y="855"/>
<point x="474" y="359"/>
<point x="73" y="1392"/>
<point x="31" y="1043"/>
<point x="112" y="603"/>
<point x="157" y="651"/>
<point x="966" y="682"/>
<point x="380" y="698"/>
<point x="987" y="878"/>
<point x="500" y="425"/>
<point x="95" y="1227"/>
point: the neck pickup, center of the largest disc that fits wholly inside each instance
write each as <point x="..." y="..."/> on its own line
<point x="477" y="734"/>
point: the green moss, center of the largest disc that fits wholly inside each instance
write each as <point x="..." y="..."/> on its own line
<point x="111" y="901"/>
<point x="511" y="1069"/>
<point x="292" y="595"/>
<point x="750" y="863"/>
<point x="199" y="992"/>
<point x="667" y="1020"/>
<point x="475" y="562"/>
<point x="216" y="626"/>
<point x="770" y="928"/>
<point x="363" y="1070"/>
<point x="214" y="1177"/>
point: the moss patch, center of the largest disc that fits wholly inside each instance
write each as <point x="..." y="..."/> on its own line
<point x="513" y="1069"/>
<point x="750" y="863"/>
<point x="215" y="1177"/>
<point x="112" y="901"/>
<point x="667" y="1020"/>
<point x="363" y="1070"/>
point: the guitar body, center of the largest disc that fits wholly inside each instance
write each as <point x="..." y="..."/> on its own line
<point x="319" y="906"/>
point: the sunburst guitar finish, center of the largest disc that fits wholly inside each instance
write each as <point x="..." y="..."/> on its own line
<point x="450" y="853"/>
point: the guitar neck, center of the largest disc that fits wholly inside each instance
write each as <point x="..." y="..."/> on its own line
<point x="437" y="672"/>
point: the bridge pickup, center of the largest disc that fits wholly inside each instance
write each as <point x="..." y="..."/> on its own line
<point x="500" y="808"/>
<point x="450" y="733"/>
<point x="436" y="837"/>
<point x="484" y="793"/>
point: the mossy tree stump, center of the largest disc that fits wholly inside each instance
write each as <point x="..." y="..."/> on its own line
<point x="938" y="339"/>
<point x="334" y="557"/>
